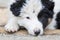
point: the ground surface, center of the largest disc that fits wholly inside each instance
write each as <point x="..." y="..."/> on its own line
<point x="23" y="35"/>
<point x="19" y="37"/>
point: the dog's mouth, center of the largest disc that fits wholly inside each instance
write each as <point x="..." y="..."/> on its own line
<point x="22" y="28"/>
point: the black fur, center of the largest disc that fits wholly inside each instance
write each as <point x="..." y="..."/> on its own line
<point x="58" y="20"/>
<point x="43" y="16"/>
<point x="46" y="13"/>
<point x="48" y="4"/>
<point x="16" y="7"/>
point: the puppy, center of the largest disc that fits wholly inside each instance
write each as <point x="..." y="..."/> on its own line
<point x="32" y="14"/>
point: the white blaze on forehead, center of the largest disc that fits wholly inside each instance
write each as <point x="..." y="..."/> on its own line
<point x="32" y="5"/>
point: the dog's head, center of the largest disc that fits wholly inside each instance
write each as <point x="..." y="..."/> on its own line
<point x="27" y="12"/>
<point x="31" y="23"/>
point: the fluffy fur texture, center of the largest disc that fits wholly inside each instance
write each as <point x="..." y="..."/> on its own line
<point x="55" y="24"/>
<point x="16" y="7"/>
<point x="44" y="15"/>
<point x="32" y="14"/>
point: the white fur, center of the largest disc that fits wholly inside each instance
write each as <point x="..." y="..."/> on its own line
<point x="56" y="10"/>
<point x="32" y="24"/>
<point x="12" y="23"/>
<point x="57" y="7"/>
<point x="30" y="6"/>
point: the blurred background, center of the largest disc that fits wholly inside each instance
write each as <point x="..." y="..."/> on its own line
<point x="3" y="11"/>
<point x="4" y="3"/>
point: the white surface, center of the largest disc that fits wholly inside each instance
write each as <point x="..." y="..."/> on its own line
<point x="19" y="37"/>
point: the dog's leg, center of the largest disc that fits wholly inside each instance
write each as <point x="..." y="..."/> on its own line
<point x="12" y="25"/>
<point x="14" y="8"/>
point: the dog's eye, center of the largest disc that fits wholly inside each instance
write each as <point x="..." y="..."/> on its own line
<point x="28" y="17"/>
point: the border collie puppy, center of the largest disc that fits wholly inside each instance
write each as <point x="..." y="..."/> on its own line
<point x="55" y="24"/>
<point x="32" y="14"/>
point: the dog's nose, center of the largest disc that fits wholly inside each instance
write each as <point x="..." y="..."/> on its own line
<point x="37" y="33"/>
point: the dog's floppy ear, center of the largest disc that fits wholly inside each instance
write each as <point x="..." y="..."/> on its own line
<point x="45" y="13"/>
<point x="16" y="7"/>
<point x="48" y="4"/>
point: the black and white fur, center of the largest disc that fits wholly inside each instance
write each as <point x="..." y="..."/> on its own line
<point x="55" y="24"/>
<point x="32" y="14"/>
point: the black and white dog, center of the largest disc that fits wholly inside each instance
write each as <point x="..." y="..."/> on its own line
<point x="55" y="24"/>
<point x="32" y="14"/>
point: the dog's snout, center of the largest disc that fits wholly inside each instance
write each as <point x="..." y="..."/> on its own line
<point x="37" y="33"/>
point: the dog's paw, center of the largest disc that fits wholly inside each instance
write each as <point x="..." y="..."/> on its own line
<point x="11" y="27"/>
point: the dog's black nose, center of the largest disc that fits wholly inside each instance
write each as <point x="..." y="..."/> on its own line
<point x="37" y="33"/>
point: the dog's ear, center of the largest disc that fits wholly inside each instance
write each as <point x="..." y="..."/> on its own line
<point x="48" y="4"/>
<point x="16" y="7"/>
<point x="45" y="13"/>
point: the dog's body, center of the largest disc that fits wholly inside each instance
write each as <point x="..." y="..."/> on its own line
<point x="32" y="14"/>
<point x="55" y="24"/>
